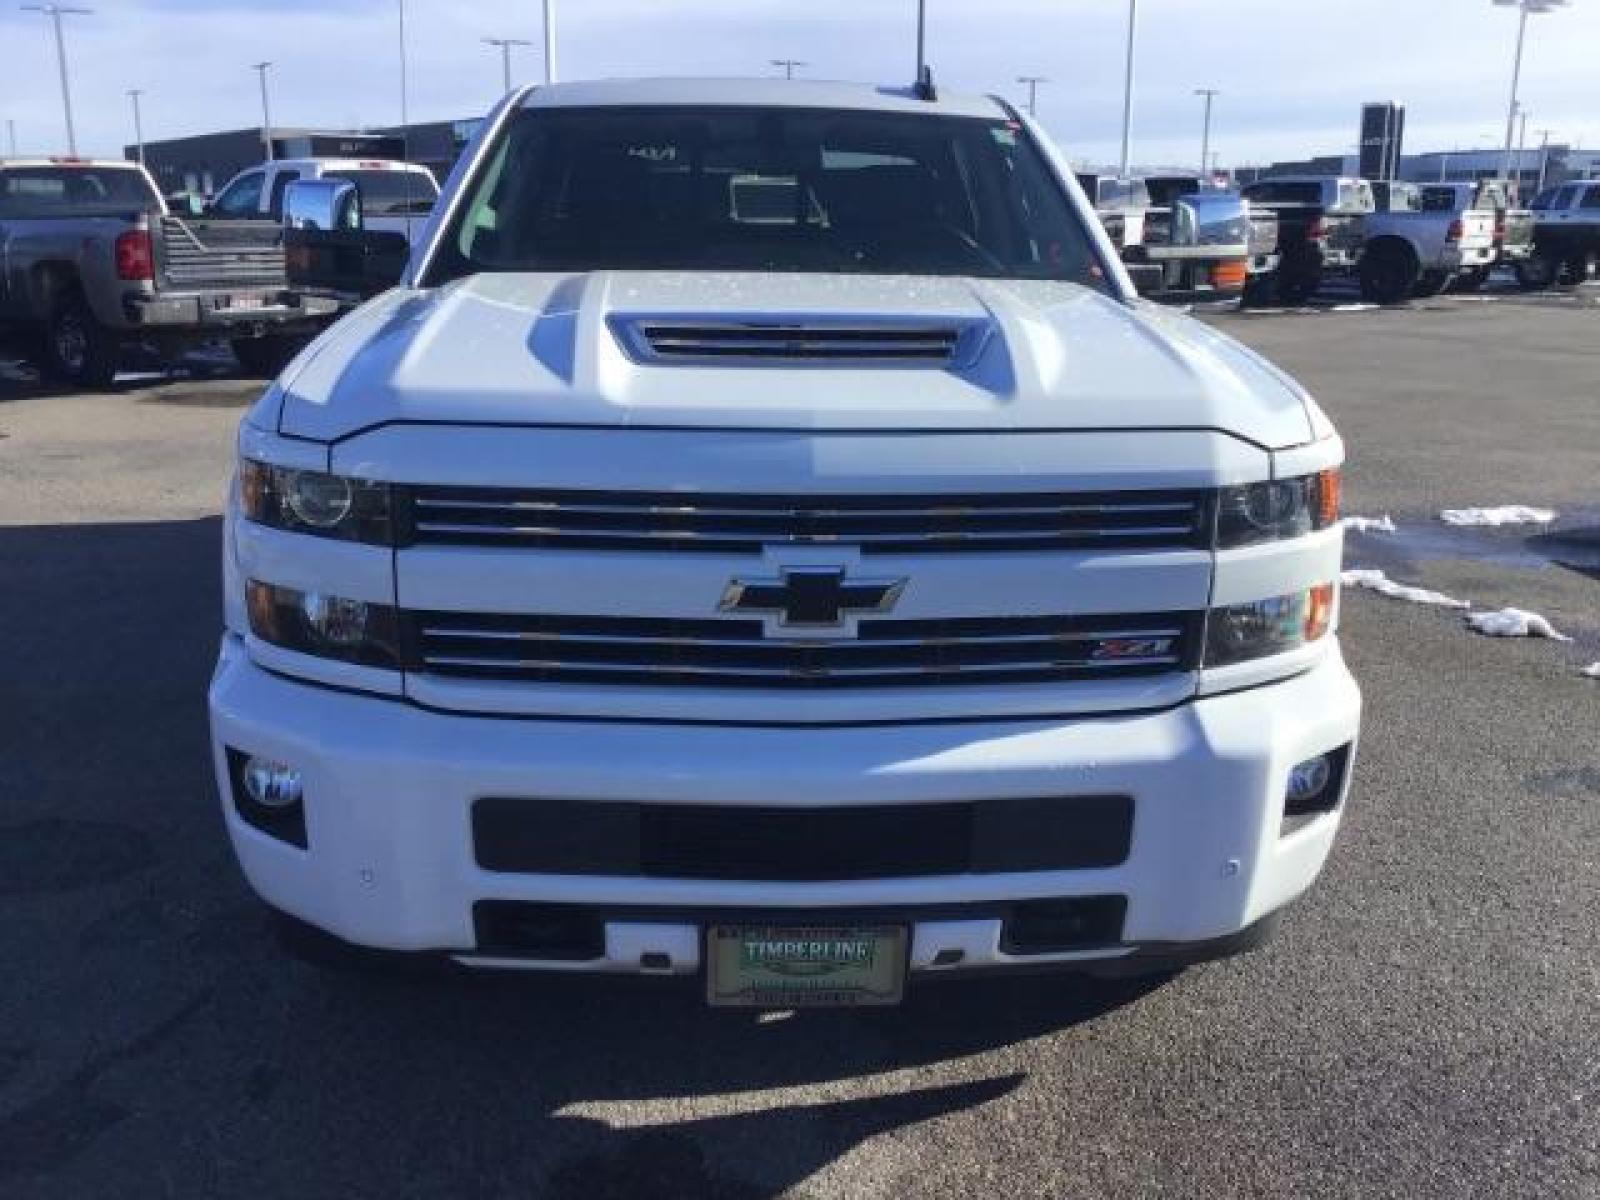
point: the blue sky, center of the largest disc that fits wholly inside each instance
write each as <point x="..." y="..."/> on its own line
<point x="1292" y="73"/>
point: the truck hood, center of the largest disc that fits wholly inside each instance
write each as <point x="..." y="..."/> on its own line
<point x="547" y="349"/>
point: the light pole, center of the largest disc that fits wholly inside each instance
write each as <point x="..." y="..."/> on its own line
<point x="11" y="133"/>
<point x="788" y="65"/>
<point x="1210" y="94"/>
<point x="55" y="12"/>
<point x="138" y="125"/>
<point x="1544" y="157"/>
<point x="1522" y="144"/>
<point x="922" y="25"/>
<point x="505" y="45"/>
<point x="1033" y="82"/>
<point x="1127" y="86"/>
<point x="1525" y="9"/>
<point x="549" y="42"/>
<point x="260" y="69"/>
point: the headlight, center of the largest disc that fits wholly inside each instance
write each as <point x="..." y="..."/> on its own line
<point x="328" y="626"/>
<point x="1277" y="508"/>
<point x="1240" y="632"/>
<point x="316" y="502"/>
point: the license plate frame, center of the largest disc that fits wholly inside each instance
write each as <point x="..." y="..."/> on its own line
<point x="752" y="965"/>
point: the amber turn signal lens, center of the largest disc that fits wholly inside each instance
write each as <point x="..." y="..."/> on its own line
<point x="1319" y="611"/>
<point x="1229" y="275"/>
<point x="1330" y="483"/>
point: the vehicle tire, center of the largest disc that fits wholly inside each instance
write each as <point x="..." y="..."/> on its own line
<point x="1389" y="274"/>
<point x="1296" y="285"/>
<point x="1258" y="292"/>
<point x="1537" y="272"/>
<point x="75" y="348"/>
<point x="1430" y="284"/>
<point x="266" y="356"/>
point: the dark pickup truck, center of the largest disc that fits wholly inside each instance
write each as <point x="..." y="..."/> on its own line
<point x="92" y="262"/>
<point x="1566" y="235"/>
<point x="1319" y="228"/>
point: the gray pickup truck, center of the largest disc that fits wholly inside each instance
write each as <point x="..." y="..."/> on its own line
<point x="92" y="262"/>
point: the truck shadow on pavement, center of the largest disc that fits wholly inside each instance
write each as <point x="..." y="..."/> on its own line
<point x="152" y="1031"/>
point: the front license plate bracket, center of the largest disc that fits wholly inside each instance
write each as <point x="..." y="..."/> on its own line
<point x="805" y="966"/>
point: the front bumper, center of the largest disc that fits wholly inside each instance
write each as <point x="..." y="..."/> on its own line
<point x="254" y="309"/>
<point x="390" y="861"/>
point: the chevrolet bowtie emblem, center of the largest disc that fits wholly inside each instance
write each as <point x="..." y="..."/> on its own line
<point x="811" y="597"/>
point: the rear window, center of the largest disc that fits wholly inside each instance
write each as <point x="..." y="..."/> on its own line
<point x="1271" y="192"/>
<point x="1438" y="199"/>
<point x="391" y="193"/>
<point x="810" y="190"/>
<point x="63" y="191"/>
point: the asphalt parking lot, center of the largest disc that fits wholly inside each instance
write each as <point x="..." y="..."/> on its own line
<point x="1427" y="1023"/>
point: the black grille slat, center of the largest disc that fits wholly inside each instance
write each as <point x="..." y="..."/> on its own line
<point x="734" y="652"/>
<point x="936" y="345"/>
<point x="800" y="844"/>
<point x="710" y="523"/>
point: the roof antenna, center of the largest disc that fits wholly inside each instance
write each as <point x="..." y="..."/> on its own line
<point x="923" y="89"/>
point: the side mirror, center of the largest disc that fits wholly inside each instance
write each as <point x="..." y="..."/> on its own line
<point x="328" y="250"/>
<point x="1148" y="278"/>
<point x="326" y="204"/>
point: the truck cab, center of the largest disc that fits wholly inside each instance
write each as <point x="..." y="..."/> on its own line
<point x="395" y="196"/>
<point x="807" y="587"/>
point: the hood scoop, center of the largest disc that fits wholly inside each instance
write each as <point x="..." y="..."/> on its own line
<point x="942" y="343"/>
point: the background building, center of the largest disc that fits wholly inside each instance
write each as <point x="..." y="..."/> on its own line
<point x="204" y="162"/>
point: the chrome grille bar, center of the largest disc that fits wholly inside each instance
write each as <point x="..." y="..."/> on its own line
<point x="442" y="515"/>
<point x="735" y="652"/>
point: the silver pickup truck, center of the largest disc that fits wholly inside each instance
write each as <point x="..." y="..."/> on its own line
<point x="91" y="262"/>
<point x="1417" y="247"/>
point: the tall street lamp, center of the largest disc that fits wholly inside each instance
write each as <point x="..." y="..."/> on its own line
<point x="1525" y="9"/>
<point x="138" y="125"/>
<point x="505" y="45"/>
<point x="549" y="42"/>
<point x="1127" y="86"/>
<point x="55" y="12"/>
<point x="1033" y="82"/>
<point x="788" y="65"/>
<point x="1205" y="130"/>
<point x="260" y="69"/>
<point x="11" y="133"/>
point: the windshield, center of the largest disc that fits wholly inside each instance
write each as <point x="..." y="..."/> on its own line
<point x="807" y="190"/>
<point x="391" y="192"/>
<point x="63" y="191"/>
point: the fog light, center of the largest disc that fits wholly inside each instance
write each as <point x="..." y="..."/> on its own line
<point x="272" y="784"/>
<point x="1308" y="779"/>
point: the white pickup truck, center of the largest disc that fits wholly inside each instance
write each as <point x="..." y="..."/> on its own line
<point x="801" y="602"/>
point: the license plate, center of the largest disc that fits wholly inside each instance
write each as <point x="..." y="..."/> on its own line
<point x="245" y="301"/>
<point x="804" y="967"/>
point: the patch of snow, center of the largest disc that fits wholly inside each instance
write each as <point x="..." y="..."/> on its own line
<point x="1377" y="581"/>
<point x="1592" y="670"/>
<point x="1506" y="514"/>
<point x="1381" y="524"/>
<point x="1353" y="307"/>
<point x="1514" y="622"/>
